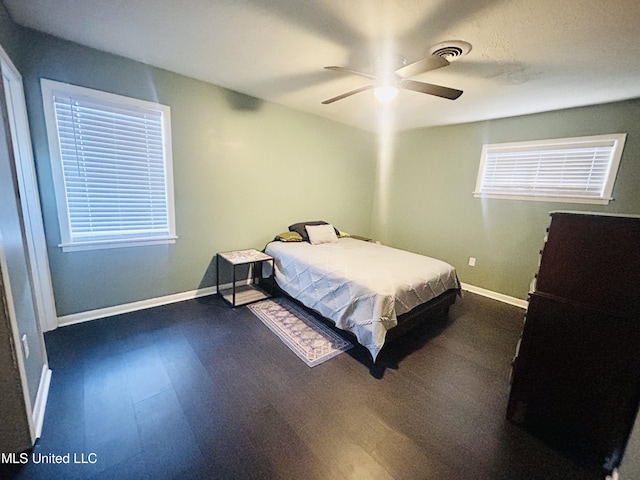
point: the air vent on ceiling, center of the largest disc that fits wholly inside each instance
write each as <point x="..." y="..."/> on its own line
<point x="451" y="50"/>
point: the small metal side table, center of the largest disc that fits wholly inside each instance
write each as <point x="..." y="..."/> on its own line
<point x="237" y="295"/>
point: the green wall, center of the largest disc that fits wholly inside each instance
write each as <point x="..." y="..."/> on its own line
<point x="10" y="34"/>
<point x="429" y="206"/>
<point x="244" y="169"/>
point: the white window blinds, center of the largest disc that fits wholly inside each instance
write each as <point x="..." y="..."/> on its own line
<point x="571" y="170"/>
<point x="114" y="167"/>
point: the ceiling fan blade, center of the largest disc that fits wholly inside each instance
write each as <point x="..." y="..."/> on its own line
<point x="429" y="88"/>
<point x="348" y="94"/>
<point x="426" y="64"/>
<point x="352" y="72"/>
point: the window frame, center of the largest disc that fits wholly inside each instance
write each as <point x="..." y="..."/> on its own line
<point x="50" y="88"/>
<point x="617" y="140"/>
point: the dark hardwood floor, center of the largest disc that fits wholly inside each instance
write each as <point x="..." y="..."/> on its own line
<point x="198" y="390"/>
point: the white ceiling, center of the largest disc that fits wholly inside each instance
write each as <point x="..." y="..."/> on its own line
<point x="528" y="55"/>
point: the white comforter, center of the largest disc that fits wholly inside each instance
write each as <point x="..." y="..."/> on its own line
<point x="360" y="286"/>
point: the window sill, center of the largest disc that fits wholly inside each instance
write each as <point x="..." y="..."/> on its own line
<point x="542" y="198"/>
<point x="105" y="244"/>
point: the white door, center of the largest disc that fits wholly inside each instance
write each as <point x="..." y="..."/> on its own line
<point x="17" y="282"/>
<point x="28" y="192"/>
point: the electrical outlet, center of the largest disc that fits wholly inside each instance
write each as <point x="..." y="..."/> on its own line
<point x="472" y="261"/>
<point x="25" y="345"/>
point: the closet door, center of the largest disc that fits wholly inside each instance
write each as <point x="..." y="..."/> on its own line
<point x="21" y="328"/>
<point x="18" y="126"/>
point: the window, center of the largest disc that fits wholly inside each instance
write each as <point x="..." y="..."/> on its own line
<point x="577" y="170"/>
<point x="112" y="170"/>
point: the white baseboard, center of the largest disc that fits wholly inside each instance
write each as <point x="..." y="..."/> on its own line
<point x="41" y="401"/>
<point x="203" y="292"/>
<point x="517" y="302"/>
<point x="134" y="306"/>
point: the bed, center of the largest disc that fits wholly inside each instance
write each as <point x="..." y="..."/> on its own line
<point x="363" y="287"/>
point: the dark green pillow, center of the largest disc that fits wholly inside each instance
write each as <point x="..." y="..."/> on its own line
<point x="289" y="237"/>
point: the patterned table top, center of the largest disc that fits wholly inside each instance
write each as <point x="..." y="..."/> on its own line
<point x="238" y="257"/>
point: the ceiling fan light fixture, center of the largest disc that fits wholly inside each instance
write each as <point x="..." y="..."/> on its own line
<point x="385" y="93"/>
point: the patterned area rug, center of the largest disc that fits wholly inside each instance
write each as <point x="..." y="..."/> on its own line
<point x="307" y="337"/>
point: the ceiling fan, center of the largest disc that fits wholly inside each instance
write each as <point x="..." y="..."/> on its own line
<point x="386" y="86"/>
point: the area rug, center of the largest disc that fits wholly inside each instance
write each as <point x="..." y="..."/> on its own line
<point x="307" y="337"/>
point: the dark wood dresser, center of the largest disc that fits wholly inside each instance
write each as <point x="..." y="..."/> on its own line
<point x="576" y="374"/>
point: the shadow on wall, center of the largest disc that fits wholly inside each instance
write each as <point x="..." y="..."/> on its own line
<point x="243" y="273"/>
<point x="242" y="102"/>
<point x="209" y="278"/>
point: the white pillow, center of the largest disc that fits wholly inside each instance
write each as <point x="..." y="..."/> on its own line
<point x="321" y="234"/>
